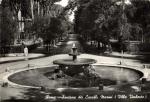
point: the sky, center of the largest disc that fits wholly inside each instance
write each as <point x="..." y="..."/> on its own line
<point x="63" y="3"/>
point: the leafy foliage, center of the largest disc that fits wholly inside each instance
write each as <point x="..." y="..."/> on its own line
<point x="142" y="15"/>
<point x="96" y="19"/>
<point x="9" y="28"/>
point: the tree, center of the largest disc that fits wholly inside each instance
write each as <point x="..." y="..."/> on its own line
<point x="137" y="32"/>
<point x="50" y="26"/>
<point x="95" y="19"/>
<point x="141" y="16"/>
<point x="9" y="28"/>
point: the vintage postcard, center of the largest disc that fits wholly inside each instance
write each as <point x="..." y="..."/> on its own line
<point x="74" y="50"/>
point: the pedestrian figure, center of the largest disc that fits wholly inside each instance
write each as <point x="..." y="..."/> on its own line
<point x="25" y="51"/>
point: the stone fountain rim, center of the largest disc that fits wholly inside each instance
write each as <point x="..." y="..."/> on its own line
<point x="62" y="62"/>
<point x="5" y="78"/>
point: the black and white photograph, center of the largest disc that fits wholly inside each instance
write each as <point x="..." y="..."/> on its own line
<point x="74" y="50"/>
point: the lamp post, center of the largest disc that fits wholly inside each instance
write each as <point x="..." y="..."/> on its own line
<point x="122" y="27"/>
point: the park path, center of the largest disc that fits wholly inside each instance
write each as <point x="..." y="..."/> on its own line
<point x="66" y="46"/>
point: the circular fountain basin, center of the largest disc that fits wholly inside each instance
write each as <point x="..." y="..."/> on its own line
<point x="110" y="75"/>
<point x="79" y="61"/>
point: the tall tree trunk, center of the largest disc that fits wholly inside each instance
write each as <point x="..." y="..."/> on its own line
<point x="32" y="13"/>
<point x="38" y="7"/>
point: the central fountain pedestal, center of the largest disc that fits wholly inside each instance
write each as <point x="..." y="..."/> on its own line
<point x="74" y="52"/>
<point x="75" y="65"/>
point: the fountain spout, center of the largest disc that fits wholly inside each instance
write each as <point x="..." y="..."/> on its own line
<point x="74" y="52"/>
